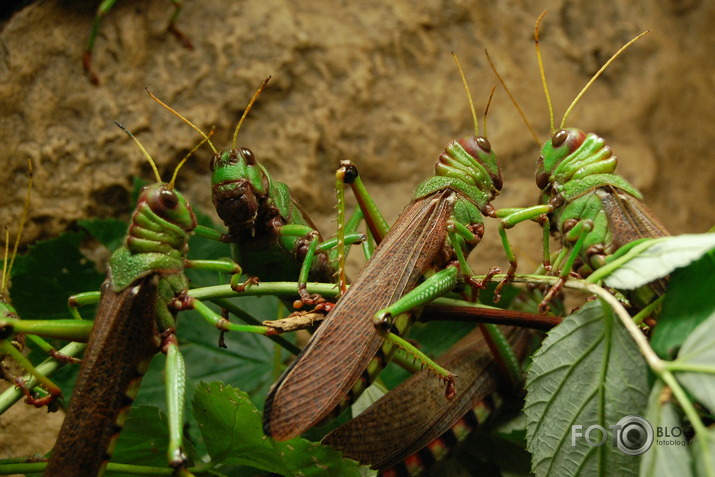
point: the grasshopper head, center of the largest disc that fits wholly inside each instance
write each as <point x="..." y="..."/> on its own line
<point x="480" y="149"/>
<point x="238" y="185"/>
<point x="561" y="145"/>
<point x="168" y="204"/>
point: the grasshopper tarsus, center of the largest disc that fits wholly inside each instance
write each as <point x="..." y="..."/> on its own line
<point x="56" y="355"/>
<point x="240" y="288"/>
<point x="556" y="288"/>
<point x="32" y="398"/>
<point x="451" y="391"/>
<point x="307" y="298"/>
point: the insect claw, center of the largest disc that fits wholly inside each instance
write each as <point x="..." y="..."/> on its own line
<point x="240" y="288"/>
<point x="451" y="390"/>
<point x="54" y="354"/>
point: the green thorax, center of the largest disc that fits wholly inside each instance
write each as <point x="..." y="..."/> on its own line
<point x="573" y="163"/>
<point x="469" y="167"/>
<point x="157" y="237"/>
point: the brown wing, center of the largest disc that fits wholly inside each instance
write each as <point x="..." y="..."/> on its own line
<point x="416" y="412"/>
<point x="347" y="340"/>
<point x="630" y="219"/>
<point x="121" y="344"/>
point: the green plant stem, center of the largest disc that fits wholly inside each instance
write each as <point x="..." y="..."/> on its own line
<point x="689" y="367"/>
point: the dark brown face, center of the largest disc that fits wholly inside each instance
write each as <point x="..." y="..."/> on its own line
<point x="236" y="203"/>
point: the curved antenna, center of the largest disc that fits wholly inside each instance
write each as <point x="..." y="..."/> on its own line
<point x="541" y="69"/>
<point x="469" y="95"/>
<point x="486" y="109"/>
<point x="513" y="100"/>
<point x="186" y="157"/>
<point x="25" y="209"/>
<point x="146" y="154"/>
<point x="248" y="108"/>
<point x="196" y="128"/>
<point x="598" y="73"/>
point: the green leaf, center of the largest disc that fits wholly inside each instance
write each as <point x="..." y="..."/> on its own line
<point x="145" y="439"/>
<point x="657" y="258"/>
<point x="110" y="232"/>
<point x="669" y="456"/>
<point x="702" y="467"/>
<point x="690" y="301"/>
<point x="48" y="274"/>
<point x="698" y="351"/>
<point x="233" y="431"/>
<point x="588" y="372"/>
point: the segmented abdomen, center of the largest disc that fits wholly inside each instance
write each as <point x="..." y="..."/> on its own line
<point x="413" y="426"/>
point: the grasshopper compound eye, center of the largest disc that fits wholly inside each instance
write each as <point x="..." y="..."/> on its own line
<point x="559" y="137"/>
<point x="248" y="156"/>
<point x="484" y="143"/>
<point x="169" y="198"/>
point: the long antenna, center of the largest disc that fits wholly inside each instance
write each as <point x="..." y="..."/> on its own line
<point x="469" y="95"/>
<point x="186" y="157"/>
<point x="513" y="100"/>
<point x="541" y="69"/>
<point x="486" y="109"/>
<point x="144" y="151"/>
<point x="196" y="128"/>
<point x="25" y="209"/>
<point x="248" y="108"/>
<point x="598" y="73"/>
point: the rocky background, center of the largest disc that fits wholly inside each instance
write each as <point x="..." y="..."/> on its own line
<point x="370" y="81"/>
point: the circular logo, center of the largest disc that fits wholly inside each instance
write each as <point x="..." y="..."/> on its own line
<point x="634" y="435"/>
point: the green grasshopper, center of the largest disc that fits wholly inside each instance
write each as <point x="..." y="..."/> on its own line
<point x="144" y="289"/>
<point x="594" y="210"/>
<point x="102" y="10"/>
<point x="48" y="391"/>
<point x="435" y="231"/>
<point x="271" y="236"/>
<point x="411" y="427"/>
